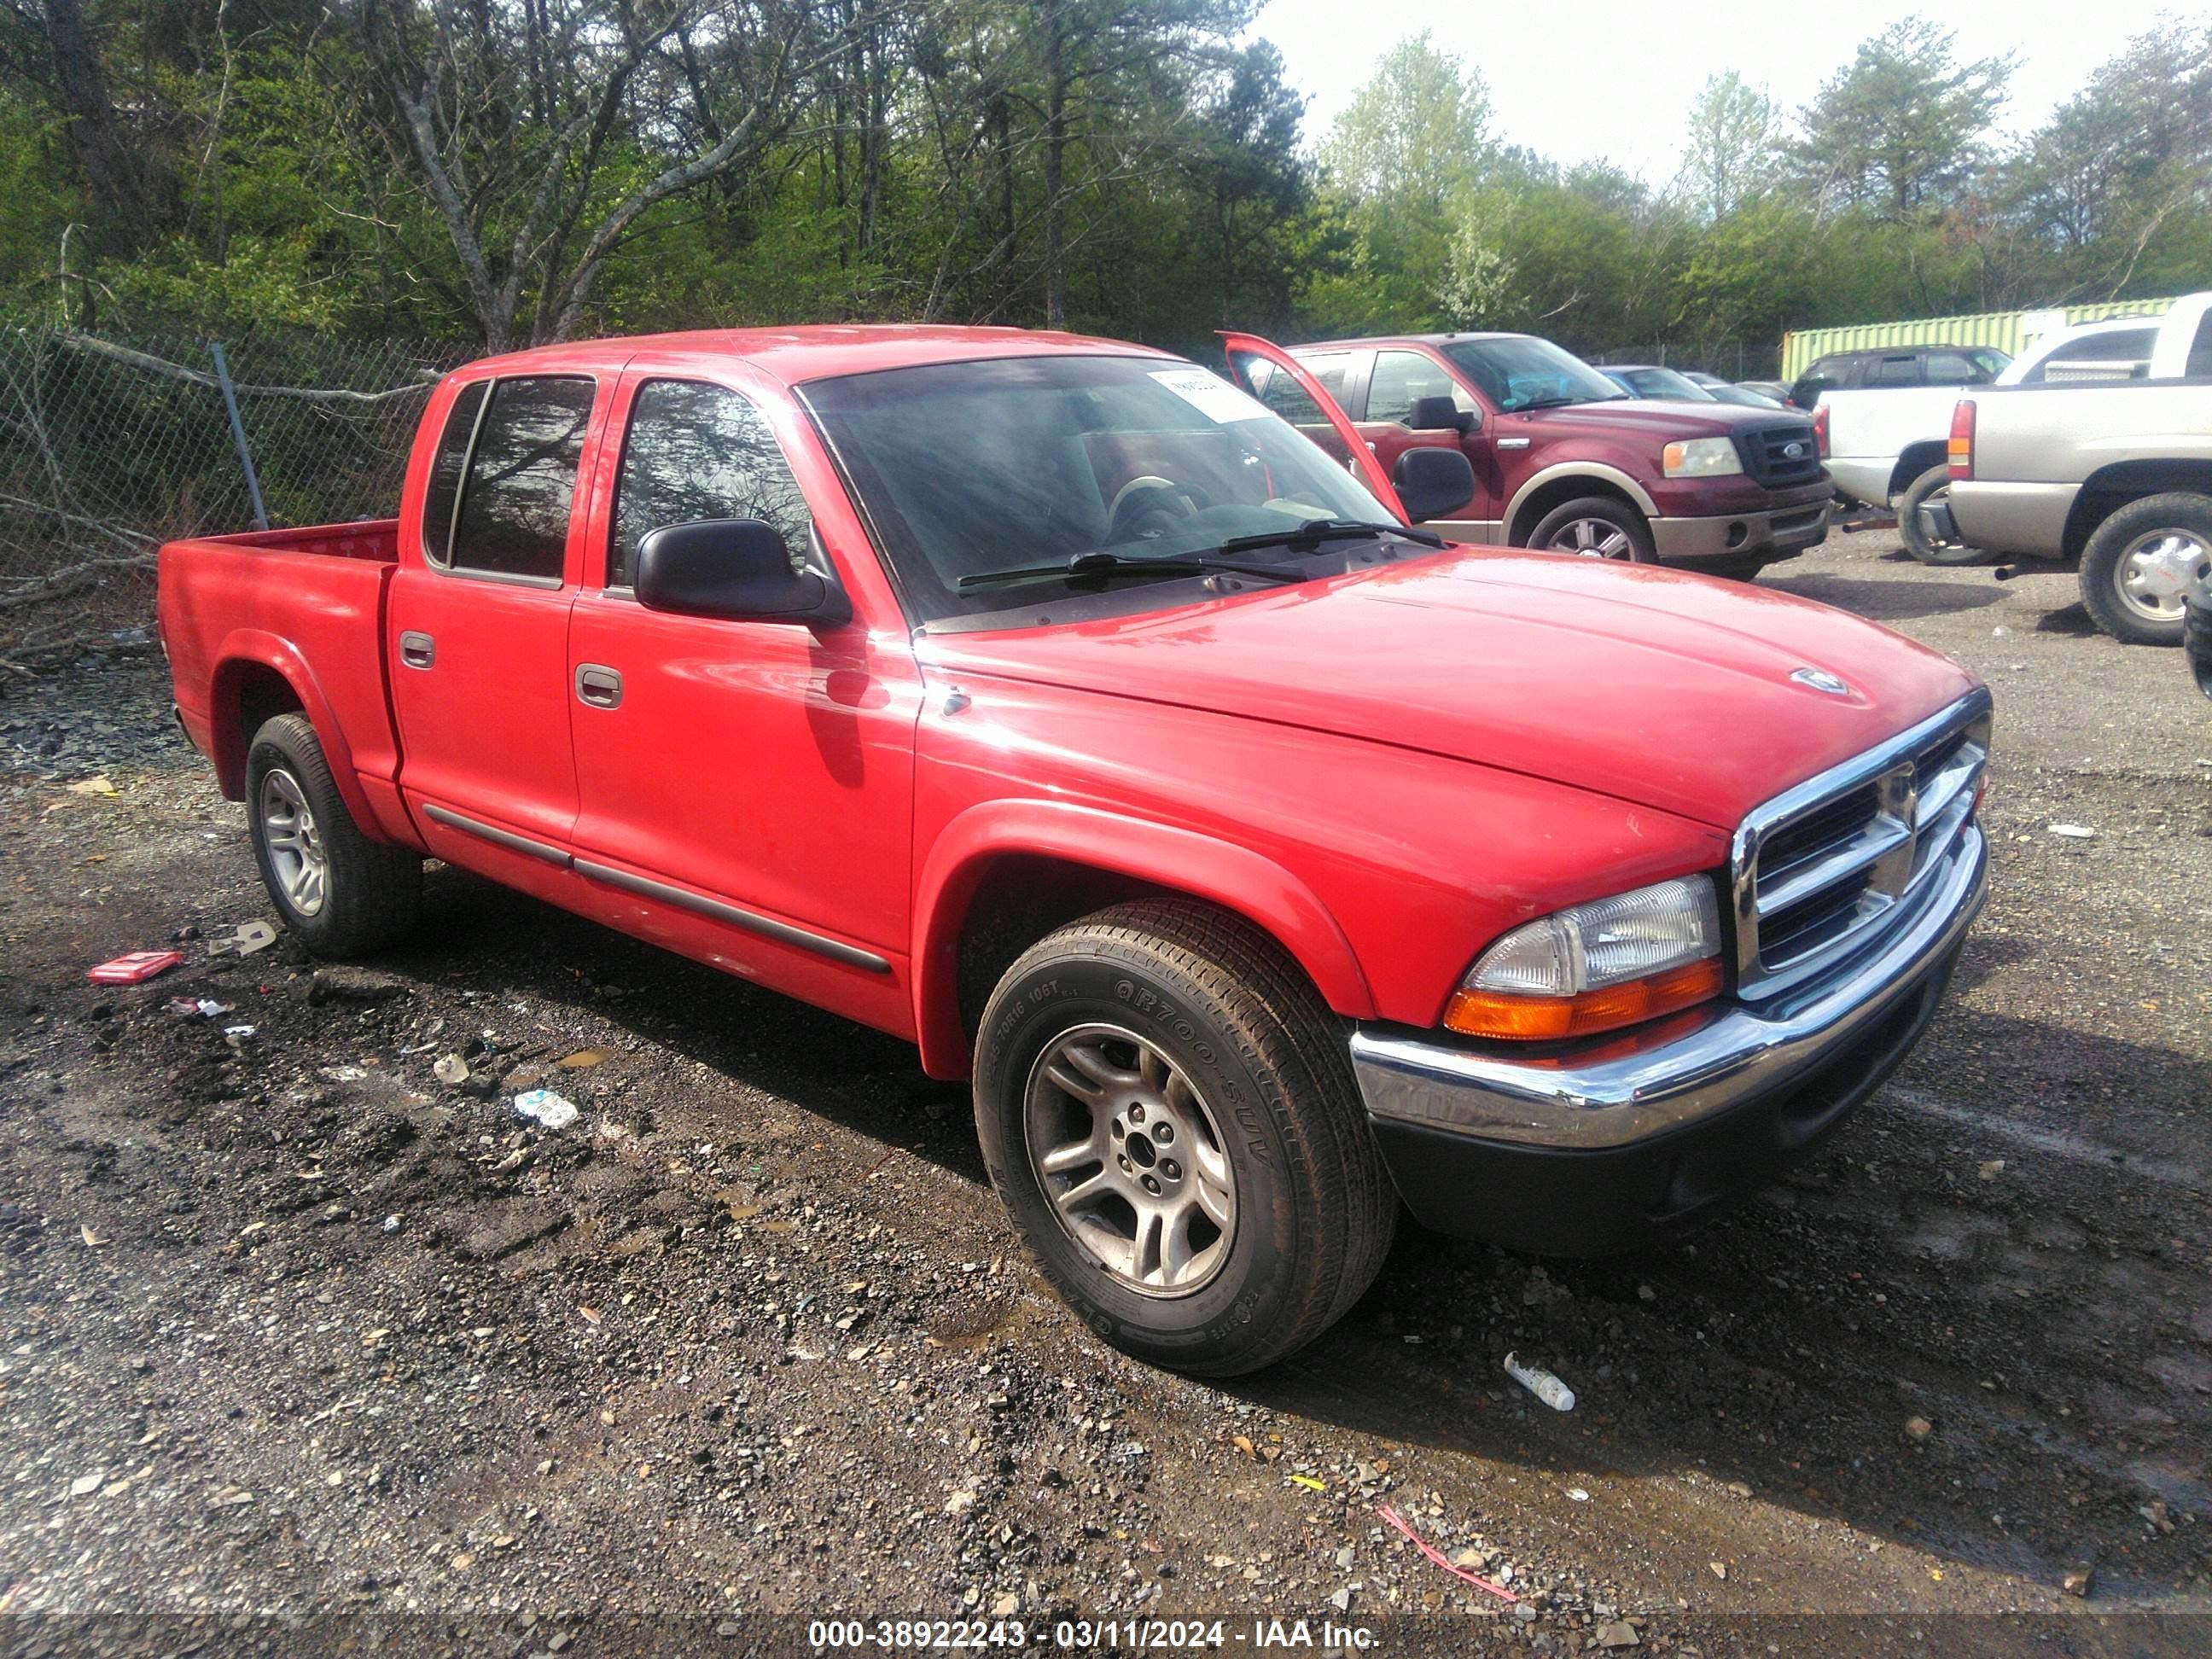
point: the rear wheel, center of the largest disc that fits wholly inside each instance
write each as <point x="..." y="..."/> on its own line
<point x="2139" y="566"/>
<point x="1932" y="486"/>
<point x="1167" y="1108"/>
<point x="343" y="894"/>
<point x="1596" y="527"/>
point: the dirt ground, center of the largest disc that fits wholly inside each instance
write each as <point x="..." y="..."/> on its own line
<point x="301" y="1347"/>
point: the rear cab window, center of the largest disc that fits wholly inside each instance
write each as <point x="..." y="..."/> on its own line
<point x="514" y="474"/>
<point x="693" y="452"/>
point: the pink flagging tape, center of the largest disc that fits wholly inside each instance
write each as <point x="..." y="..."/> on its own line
<point x="1437" y="1556"/>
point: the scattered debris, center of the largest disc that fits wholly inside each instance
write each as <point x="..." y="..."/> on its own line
<point x="1618" y="1634"/>
<point x="1437" y="1556"/>
<point x="245" y="939"/>
<point x="1310" y="1483"/>
<point x="581" y="1057"/>
<point x="2081" y="1580"/>
<point x="451" y="1069"/>
<point x="92" y="1240"/>
<point x="547" y="1108"/>
<point x="2074" y="831"/>
<point x="99" y="786"/>
<point x="1990" y="1170"/>
<point x="393" y="1222"/>
<point x="1541" y="1383"/>
<point x="1918" y="1428"/>
<point x="134" y="969"/>
<point x="1719" y="1570"/>
<point x="197" y="1007"/>
<point x="1579" y="1494"/>
<point x="85" y="1484"/>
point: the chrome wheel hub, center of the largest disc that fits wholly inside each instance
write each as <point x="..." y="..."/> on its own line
<point x="1131" y="1159"/>
<point x="1593" y="538"/>
<point x="2155" y="574"/>
<point x="295" y="847"/>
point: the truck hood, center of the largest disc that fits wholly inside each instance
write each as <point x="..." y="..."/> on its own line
<point x="1667" y="690"/>
<point x="1661" y="419"/>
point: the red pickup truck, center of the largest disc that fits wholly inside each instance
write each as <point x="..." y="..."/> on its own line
<point x="1268" y="864"/>
<point x="1566" y="460"/>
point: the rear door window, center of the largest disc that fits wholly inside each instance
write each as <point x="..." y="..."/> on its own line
<point x="521" y="483"/>
<point x="444" y="491"/>
<point x="1288" y="399"/>
<point x="1896" y="371"/>
<point x="698" y="452"/>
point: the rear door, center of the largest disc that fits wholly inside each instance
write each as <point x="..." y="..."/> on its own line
<point x="477" y="625"/>
<point x="1256" y="363"/>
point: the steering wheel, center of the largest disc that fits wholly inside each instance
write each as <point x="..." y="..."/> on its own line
<point x="1145" y="496"/>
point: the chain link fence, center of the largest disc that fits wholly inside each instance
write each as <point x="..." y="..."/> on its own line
<point x="108" y="448"/>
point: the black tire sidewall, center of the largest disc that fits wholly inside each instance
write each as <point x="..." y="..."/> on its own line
<point x="280" y="745"/>
<point x="1254" y="1285"/>
<point x="1935" y="478"/>
<point x="1641" y="547"/>
<point x="2100" y="563"/>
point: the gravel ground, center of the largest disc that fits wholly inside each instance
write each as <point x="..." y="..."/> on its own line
<point x="302" y="1345"/>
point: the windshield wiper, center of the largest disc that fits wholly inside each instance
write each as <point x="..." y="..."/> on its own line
<point x="1116" y="564"/>
<point x="1314" y="531"/>
<point x="1561" y="403"/>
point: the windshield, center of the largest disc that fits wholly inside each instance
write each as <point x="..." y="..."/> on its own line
<point x="1662" y="383"/>
<point x="1518" y="371"/>
<point x="974" y="467"/>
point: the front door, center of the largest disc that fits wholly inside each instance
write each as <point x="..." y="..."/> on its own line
<point x="1399" y="380"/>
<point x="745" y="787"/>
<point x="1257" y="364"/>
<point x="476" y="629"/>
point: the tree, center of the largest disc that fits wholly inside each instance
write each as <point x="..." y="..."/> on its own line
<point x="1417" y="133"/>
<point x="1898" y="128"/>
<point x="1736" y="148"/>
<point x="508" y="118"/>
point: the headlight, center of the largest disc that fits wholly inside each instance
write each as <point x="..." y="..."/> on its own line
<point x="1596" y="967"/>
<point x="1701" y="457"/>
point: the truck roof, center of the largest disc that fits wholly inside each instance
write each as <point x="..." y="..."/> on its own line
<point x="1405" y="339"/>
<point x="796" y="355"/>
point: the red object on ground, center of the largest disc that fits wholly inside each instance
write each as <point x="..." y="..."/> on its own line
<point x="1434" y="1555"/>
<point x="138" y="966"/>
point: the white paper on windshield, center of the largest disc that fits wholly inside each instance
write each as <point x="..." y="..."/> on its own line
<point x="1211" y="396"/>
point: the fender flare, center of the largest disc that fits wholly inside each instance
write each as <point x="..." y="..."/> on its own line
<point x="1236" y="877"/>
<point x="245" y="648"/>
<point x="1597" y="469"/>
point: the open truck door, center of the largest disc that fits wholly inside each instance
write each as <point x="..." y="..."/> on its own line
<point x="1255" y="363"/>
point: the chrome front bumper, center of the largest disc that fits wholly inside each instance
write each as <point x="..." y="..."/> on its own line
<point x="1742" y="1056"/>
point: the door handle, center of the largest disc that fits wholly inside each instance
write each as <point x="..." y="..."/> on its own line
<point x="418" y="650"/>
<point x="600" y="687"/>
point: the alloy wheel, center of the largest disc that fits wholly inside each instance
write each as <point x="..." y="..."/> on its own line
<point x="295" y="848"/>
<point x="2156" y="570"/>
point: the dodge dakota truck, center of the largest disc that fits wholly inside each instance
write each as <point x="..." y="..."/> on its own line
<point x="1268" y="864"/>
<point x="2118" y="477"/>
<point x="1564" y="459"/>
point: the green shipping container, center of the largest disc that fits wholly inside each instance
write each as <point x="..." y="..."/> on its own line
<point x="2005" y="330"/>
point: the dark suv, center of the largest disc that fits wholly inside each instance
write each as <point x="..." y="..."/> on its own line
<point x="1924" y="365"/>
<point x="1566" y="461"/>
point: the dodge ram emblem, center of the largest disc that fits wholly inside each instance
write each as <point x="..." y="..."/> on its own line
<point x="1821" y="680"/>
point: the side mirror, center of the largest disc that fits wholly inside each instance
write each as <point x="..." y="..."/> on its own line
<point x="739" y="569"/>
<point x="1433" y="482"/>
<point x="1440" y="414"/>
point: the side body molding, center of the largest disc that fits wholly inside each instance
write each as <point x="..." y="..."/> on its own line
<point x="1234" y="877"/>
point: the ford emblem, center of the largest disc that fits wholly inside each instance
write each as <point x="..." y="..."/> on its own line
<point x="1791" y="451"/>
<point x="1821" y="680"/>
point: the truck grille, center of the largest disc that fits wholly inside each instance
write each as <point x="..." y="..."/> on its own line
<point x="1833" y="866"/>
<point x="1766" y="454"/>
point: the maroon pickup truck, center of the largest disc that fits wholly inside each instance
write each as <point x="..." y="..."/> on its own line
<point x="1566" y="462"/>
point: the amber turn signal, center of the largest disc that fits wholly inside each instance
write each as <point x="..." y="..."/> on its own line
<point x="1543" y="1019"/>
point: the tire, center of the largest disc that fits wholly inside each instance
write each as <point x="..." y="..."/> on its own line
<point x="1935" y="483"/>
<point x="1196" y="1022"/>
<point x="2138" y="566"/>
<point x="1571" y="522"/>
<point x="343" y="895"/>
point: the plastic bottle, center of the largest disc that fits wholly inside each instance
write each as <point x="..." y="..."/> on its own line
<point x="1541" y="1383"/>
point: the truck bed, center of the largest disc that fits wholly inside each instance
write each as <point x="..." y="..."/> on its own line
<point x="270" y="619"/>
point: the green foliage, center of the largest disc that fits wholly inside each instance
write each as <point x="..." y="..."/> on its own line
<point x="1139" y="166"/>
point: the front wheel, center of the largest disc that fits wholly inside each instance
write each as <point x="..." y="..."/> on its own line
<point x="342" y="893"/>
<point x="1167" y="1109"/>
<point x="1596" y="527"/>
<point x="2138" y="567"/>
<point x="1933" y="485"/>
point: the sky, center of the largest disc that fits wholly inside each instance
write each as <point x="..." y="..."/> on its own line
<point x="1600" y="80"/>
